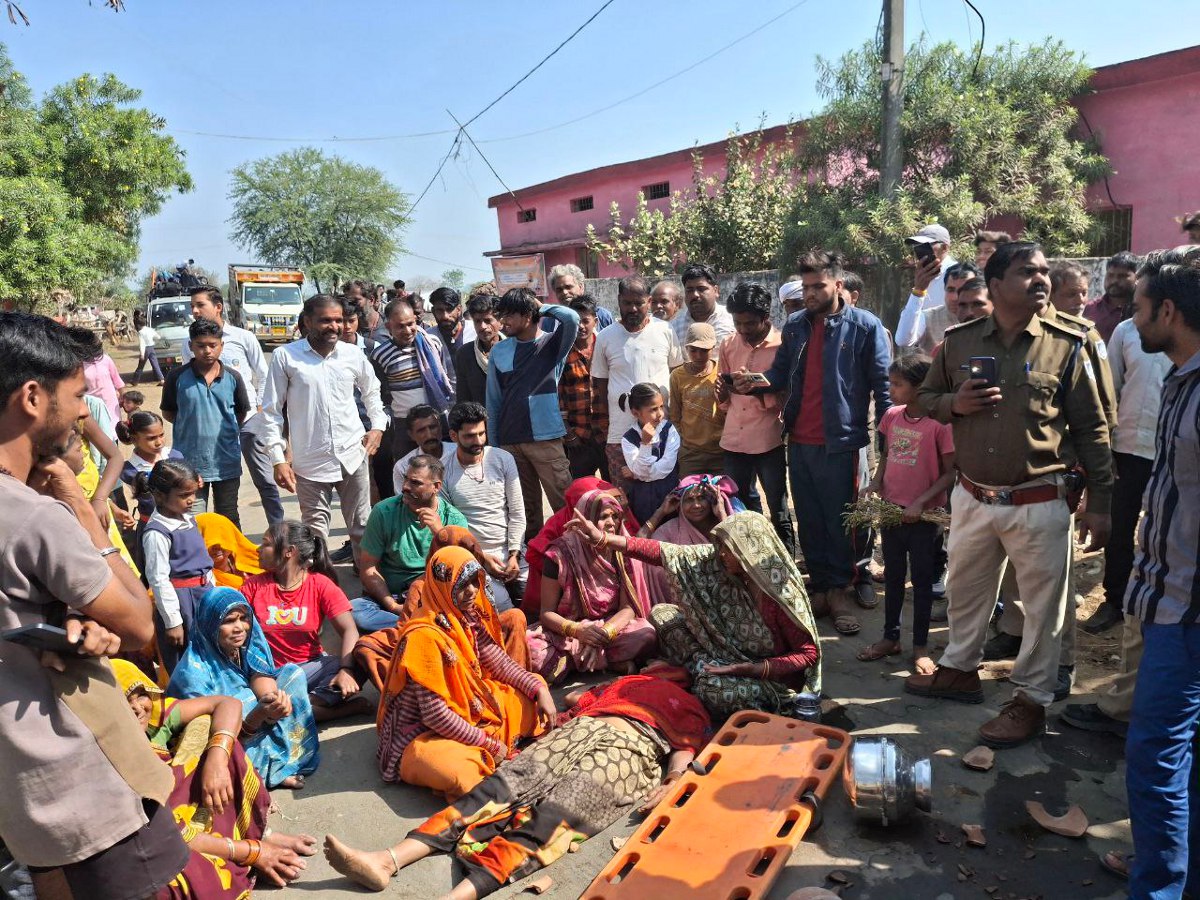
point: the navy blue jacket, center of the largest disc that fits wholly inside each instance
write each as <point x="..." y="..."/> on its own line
<point x="856" y="357"/>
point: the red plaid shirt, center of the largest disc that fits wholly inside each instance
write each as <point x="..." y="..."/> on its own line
<point x="575" y="397"/>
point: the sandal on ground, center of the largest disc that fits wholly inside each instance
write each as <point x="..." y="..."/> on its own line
<point x="1117" y="863"/>
<point x="846" y="624"/>
<point x="876" y="651"/>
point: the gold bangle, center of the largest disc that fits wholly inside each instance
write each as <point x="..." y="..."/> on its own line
<point x="766" y="670"/>
<point x="568" y="628"/>
<point x="253" y="852"/>
<point x="223" y="741"/>
<point x="917" y="293"/>
<point x="611" y="631"/>
<point x="232" y="736"/>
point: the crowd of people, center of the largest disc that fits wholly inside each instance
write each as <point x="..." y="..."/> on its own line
<point x="1005" y="412"/>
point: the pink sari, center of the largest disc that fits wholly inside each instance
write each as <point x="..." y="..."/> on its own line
<point x="594" y="587"/>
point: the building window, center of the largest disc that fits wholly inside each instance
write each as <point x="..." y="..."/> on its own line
<point x="526" y="215"/>
<point x="588" y="262"/>
<point x="1115" y="231"/>
<point x="581" y="204"/>
<point x="657" y="191"/>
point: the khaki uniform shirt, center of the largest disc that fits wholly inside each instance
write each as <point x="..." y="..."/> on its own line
<point x="1097" y="351"/>
<point x="1041" y="425"/>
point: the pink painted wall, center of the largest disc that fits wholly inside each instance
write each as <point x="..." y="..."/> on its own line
<point x="1146" y="114"/>
<point x="1144" y="110"/>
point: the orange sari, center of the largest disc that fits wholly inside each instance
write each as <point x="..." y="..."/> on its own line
<point x="438" y="652"/>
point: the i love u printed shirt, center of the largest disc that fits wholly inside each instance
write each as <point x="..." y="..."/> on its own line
<point x="292" y="620"/>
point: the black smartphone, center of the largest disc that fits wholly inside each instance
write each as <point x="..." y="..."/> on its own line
<point x="984" y="367"/>
<point x="40" y="637"/>
<point x="727" y="377"/>
<point x="923" y="253"/>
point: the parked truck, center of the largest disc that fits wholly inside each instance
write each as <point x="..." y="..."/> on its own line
<point x="266" y="300"/>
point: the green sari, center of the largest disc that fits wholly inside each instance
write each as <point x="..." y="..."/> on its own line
<point x="717" y="619"/>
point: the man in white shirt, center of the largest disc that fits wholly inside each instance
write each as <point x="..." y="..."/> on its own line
<point x="483" y="484"/>
<point x="313" y="379"/>
<point x="702" y="295"/>
<point x="634" y="349"/>
<point x="924" y="320"/>
<point x="242" y="353"/>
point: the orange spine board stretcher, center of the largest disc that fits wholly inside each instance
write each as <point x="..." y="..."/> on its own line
<point x="727" y="834"/>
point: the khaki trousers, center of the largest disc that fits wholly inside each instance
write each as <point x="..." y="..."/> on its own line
<point x="1012" y="620"/>
<point x="541" y="466"/>
<point x="1036" y="540"/>
<point x="354" y="496"/>
<point x="1116" y="698"/>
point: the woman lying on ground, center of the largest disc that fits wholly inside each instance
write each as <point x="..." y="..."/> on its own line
<point x="594" y="600"/>
<point x="228" y="654"/>
<point x="555" y="793"/>
<point x="374" y="652"/>
<point x="292" y="599"/>
<point x="218" y="801"/>
<point x="687" y="517"/>
<point x="454" y="704"/>
<point x="741" y="624"/>
<point x="535" y="551"/>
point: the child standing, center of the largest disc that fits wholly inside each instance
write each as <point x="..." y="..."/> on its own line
<point x="147" y="354"/>
<point x="206" y="401"/>
<point x="177" y="565"/>
<point x="149" y="447"/>
<point x="650" y="448"/>
<point x="131" y="402"/>
<point x="915" y="473"/>
<point x="695" y="412"/>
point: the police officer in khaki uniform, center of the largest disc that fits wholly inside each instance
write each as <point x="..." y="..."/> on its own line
<point x="1020" y="392"/>
<point x="1007" y="642"/>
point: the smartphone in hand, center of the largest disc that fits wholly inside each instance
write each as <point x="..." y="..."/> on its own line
<point x="984" y="367"/>
<point x="40" y="637"/>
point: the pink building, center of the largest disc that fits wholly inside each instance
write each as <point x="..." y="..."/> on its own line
<point x="1143" y="110"/>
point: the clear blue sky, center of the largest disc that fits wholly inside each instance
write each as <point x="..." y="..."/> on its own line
<point x="308" y="69"/>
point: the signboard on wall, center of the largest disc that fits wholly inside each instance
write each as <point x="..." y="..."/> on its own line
<point x="520" y="271"/>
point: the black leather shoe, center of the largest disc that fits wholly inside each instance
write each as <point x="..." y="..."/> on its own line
<point x="864" y="593"/>
<point x="1066" y="678"/>
<point x="1104" y="618"/>
<point x="1089" y="717"/>
<point x="344" y="553"/>
<point x="1002" y="646"/>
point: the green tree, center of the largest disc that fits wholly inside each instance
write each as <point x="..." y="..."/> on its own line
<point x="79" y="171"/>
<point x="977" y="145"/>
<point x="733" y="221"/>
<point x="454" y="278"/>
<point x="304" y="208"/>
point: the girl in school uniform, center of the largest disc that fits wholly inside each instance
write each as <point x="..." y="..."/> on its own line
<point x="177" y="566"/>
<point x="651" y="450"/>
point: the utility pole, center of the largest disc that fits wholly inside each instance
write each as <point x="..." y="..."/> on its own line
<point x="892" y="74"/>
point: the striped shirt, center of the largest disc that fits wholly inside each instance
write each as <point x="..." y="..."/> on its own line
<point x="1164" y="588"/>
<point x="399" y="366"/>
<point x="418" y="709"/>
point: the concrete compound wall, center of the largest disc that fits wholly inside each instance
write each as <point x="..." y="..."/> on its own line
<point x="604" y="290"/>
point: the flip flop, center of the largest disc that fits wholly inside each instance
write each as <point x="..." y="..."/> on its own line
<point x="1117" y="863"/>
<point x="845" y="624"/>
<point x="872" y="652"/>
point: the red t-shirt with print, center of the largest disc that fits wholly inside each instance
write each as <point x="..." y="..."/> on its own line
<point x="291" y="620"/>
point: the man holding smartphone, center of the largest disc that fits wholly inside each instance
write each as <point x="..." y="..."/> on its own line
<point x="924" y="320"/>
<point x="83" y="791"/>
<point x="1022" y="429"/>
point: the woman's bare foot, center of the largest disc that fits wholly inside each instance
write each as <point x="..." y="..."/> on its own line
<point x="372" y="870"/>
<point x="922" y="664"/>
<point x="292" y="783"/>
<point x="279" y="865"/>
<point x="303" y="844"/>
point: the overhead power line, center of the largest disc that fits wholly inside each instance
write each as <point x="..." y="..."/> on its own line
<point x="458" y="136"/>
<point x="313" y="140"/>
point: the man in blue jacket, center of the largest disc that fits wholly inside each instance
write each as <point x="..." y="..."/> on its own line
<point x="522" y="398"/>
<point x="833" y="358"/>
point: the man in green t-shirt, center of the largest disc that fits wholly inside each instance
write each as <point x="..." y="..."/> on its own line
<point x="396" y="543"/>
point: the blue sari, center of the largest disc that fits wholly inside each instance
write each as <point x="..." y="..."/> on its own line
<point x="289" y="747"/>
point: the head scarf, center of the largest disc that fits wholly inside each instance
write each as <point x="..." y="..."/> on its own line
<point x="594" y="586"/>
<point x="438" y="648"/>
<point x="678" y="530"/>
<point x="132" y="679"/>
<point x="734" y="625"/>
<point x="220" y="533"/>
<point x="663" y="705"/>
<point x="288" y="748"/>
<point x="535" y="551"/>
<point x="752" y="539"/>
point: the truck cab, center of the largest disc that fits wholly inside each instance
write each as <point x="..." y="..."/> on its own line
<point x="268" y="300"/>
<point x="170" y="317"/>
